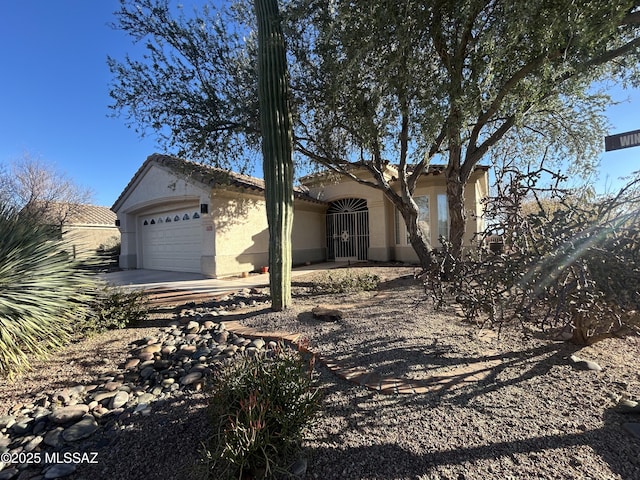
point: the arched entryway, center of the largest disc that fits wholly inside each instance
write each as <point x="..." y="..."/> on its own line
<point x="348" y="229"/>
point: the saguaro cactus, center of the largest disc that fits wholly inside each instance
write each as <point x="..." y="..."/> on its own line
<point x="275" y="122"/>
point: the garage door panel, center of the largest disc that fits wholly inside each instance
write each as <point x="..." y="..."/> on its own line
<point x="169" y="244"/>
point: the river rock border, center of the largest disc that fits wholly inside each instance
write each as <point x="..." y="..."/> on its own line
<point x="178" y="361"/>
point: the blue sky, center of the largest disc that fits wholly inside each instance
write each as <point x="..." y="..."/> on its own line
<point x="54" y="97"/>
<point x="54" y="92"/>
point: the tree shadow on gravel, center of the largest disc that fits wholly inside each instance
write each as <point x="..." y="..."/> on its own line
<point x="367" y="417"/>
<point x="228" y="317"/>
<point x="398" y="283"/>
<point x="438" y="357"/>
<point x="390" y="461"/>
<point x="164" y="445"/>
<point x="518" y="367"/>
<point x="156" y="322"/>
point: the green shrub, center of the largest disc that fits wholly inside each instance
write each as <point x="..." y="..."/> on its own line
<point x="109" y="253"/>
<point x="259" y="407"/>
<point x="115" y="308"/>
<point x="42" y="292"/>
<point x="337" y="281"/>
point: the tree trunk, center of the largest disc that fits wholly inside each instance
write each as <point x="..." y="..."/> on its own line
<point x="418" y="239"/>
<point x="275" y="122"/>
<point x="457" y="215"/>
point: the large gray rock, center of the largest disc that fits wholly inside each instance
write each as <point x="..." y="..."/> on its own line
<point x="101" y="396"/>
<point x="119" y="400"/>
<point x="9" y="473"/>
<point x="191" y="378"/>
<point x="147" y="372"/>
<point x="53" y="438"/>
<point x="632" y="428"/>
<point x="33" y="443"/>
<point x="299" y="468"/>
<point x="153" y="348"/>
<point x="585" y="364"/>
<point x="327" y="314"/>
<point x="131" y="363"/>
<point x="83" y="429"/>
<point x="68" y="414"/>
<point x="146" y="398"/>
<point x="60" y="470"/>
<point x="192" y="327"/>
<point x="22" y="426"/>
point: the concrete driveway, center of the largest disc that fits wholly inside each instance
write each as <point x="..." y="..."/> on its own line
<point x="161" y="281"/>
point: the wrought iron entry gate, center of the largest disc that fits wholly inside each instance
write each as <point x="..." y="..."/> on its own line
<point x="348" y="229"/>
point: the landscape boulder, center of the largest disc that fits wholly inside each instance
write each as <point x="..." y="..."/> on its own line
<point x="327" y="314"/>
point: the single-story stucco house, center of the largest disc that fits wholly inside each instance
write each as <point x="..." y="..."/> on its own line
<point x="84" y="228"/>
<point x="177" y="215"/>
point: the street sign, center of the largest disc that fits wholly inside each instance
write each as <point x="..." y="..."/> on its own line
<point x="622" y="140"/>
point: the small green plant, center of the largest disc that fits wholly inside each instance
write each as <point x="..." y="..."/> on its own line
<point x="260" y="406"/>
<point x="346" y="282"/>
<point x="42" y="292"/>
<point x="115" y="308"/>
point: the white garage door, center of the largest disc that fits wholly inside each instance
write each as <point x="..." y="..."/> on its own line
<point x="172" y="240"/>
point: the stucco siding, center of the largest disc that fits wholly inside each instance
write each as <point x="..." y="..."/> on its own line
<point x="475" y="192"/>
<point x="84" y="241"/>
<point x="242" y="235"/>
<point x="309" y="232"/>
<point x="157" y="186"/>
<point x="405" y="254"/>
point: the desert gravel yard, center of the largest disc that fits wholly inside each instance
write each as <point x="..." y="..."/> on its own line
<point x="536" y="414"/>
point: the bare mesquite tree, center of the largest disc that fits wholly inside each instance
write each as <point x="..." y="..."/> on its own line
<point x="570" y="263"/>
<point x="37" y="189"/>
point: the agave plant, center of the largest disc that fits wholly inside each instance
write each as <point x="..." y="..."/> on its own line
<point x="42" y="291"/>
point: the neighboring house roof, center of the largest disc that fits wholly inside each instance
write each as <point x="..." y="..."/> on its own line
<point x="78" y="214"/>
<point x="92" y="215"/>
<point x="206" y="175"/>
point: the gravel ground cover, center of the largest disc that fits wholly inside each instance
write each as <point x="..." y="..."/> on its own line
<point x="535" y="416"/>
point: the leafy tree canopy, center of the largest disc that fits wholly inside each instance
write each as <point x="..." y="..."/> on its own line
<point x="381" y="81"/>
<point x="195" y="85"/>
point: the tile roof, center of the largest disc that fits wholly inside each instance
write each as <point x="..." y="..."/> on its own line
<point x="390" y="169"/>
<point x="93" y="215"/>
<point x="81" y="214"/>
<point x="206" y="175"/>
